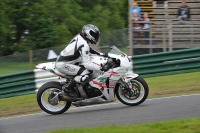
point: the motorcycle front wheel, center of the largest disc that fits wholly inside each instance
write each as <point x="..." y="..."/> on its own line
<point x="46" y="98"/>
<point x="136" y="95"/>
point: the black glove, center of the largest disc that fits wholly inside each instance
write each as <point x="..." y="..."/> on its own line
<point x="105" y="67"/>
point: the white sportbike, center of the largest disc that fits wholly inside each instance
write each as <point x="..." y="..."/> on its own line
<point x="119" y="80"/>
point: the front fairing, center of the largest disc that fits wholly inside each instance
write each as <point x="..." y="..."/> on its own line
<point x="125" y="62"/>
<point x="98" y="60"/>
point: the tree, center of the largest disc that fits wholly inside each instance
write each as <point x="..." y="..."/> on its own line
<point x="28" y="24"/>
<point x="5" y="31"/>
<point x="43" y="34"/>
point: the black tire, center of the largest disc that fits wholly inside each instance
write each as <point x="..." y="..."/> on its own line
<point x="43" y="88"/>
<point x="143" y="98"/>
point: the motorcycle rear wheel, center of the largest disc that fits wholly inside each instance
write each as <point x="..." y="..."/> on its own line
<point x="141" y="88"/>
<point x="43" y="97"/>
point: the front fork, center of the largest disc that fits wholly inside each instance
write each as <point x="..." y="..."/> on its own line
<point x="128" y="86"/>
<point x="124" y="84"/>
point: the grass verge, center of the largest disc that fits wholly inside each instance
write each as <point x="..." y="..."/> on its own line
<point x="179" y="84"/>
<point x="173" y="126"/>
<point x="14" y="67"/>
<point x="163" y="86"/>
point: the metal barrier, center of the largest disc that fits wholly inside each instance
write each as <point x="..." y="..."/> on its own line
<point x="167" y="63"/>
<point x="150" y="65"/>
<point x="24" y="82"/>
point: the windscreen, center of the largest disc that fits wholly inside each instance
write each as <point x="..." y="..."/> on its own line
<point x="116" y="51"/>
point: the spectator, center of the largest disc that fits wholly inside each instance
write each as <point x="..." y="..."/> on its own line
<point x="146" y="26"/>
<point x="136" y="26"/>
<point x="137" y="18"/>
<point x="136" y="9"/>
<point x="183" y="12"/>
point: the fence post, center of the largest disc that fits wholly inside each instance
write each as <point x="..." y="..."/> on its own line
<point x="165" y="25"/>
<point x="31" y="59"/>
<point x="191" y="33"/>
<point x="130" y="29"/>
<point x="150" y="39"/>
<point x="170" y="36"/>
<point x="164" y="36"/>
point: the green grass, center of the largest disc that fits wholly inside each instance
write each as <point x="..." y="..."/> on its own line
<point x="25" y="104"/>
<point x="173" y="126"/>
<point x="162" y="86"/>
<point x="14" y="67"/>
<point x="178" y="84"/>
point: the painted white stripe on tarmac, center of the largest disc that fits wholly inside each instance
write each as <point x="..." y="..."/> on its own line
<point x="102" y="105"/>
<point x="174" y="96"/>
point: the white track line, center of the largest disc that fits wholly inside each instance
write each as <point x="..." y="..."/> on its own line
<point x="102" y="105"/>
<point x="174" y="96"/>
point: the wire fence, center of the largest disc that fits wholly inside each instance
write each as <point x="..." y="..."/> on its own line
<point x="27" y="60"/>
<point x="159" y="38"/>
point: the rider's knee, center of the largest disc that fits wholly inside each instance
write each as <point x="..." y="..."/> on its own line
<point x="83" y="77"/>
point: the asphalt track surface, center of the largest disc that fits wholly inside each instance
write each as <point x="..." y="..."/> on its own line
<point x="158" y="109"/>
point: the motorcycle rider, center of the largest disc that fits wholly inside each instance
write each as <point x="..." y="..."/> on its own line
<point x="79" y="50"/>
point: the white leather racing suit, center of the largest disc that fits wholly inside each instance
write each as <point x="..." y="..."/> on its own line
<point x="77" y="51"/>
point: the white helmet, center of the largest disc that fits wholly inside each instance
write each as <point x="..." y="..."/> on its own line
<point x="91" y="32"/>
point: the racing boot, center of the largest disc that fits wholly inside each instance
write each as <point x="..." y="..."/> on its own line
<point x="69" y="89"/>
